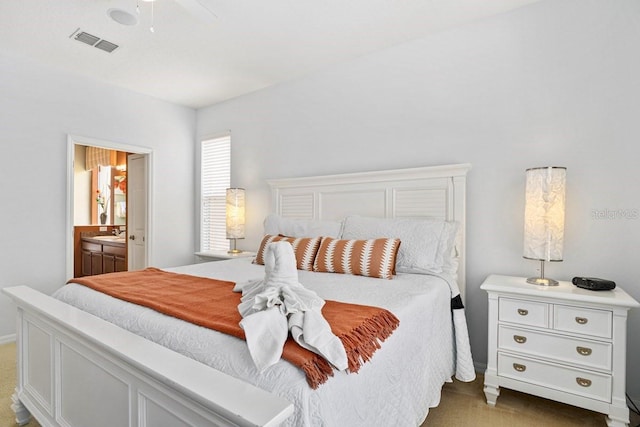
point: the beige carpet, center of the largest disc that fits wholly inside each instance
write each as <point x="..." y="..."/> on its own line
<point x="7" y="386"/>
<point x="462" y="404"/>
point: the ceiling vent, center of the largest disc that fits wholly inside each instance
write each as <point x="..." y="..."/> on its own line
<point x="94" y="41"/>
<point x="106" y="46"/>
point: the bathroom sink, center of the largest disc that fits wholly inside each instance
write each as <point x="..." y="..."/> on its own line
<point x="110" y="238"/>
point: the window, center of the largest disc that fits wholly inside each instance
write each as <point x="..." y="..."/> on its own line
<point x="215" y="178"/>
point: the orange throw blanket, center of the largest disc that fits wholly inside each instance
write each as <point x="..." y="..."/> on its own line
<point x="213" y="304"/>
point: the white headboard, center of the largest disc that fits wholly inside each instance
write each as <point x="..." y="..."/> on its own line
<point x="433" y="191"/>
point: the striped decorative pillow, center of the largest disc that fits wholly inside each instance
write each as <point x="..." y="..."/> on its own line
<point x="304" y="248"/>
<point x="372" y="258"/>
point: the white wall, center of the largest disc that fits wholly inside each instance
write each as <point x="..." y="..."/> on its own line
<point x="554" y="83"/>
<point x="39" y="106"/>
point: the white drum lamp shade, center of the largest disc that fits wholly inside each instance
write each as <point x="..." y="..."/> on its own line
<point x="235" y="215"/>
<point x="545" y="190"/>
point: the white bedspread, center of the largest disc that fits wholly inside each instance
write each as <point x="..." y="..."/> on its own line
<point x="395" y="388"/>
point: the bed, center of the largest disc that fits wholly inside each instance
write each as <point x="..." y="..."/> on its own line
<point x="89" y="359"/>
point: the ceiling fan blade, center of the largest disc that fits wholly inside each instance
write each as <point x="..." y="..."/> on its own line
<point x="198" y="10"/>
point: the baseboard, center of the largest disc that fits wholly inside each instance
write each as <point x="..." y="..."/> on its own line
<point x="635" y="400"/>
<point x="6" y="339"/>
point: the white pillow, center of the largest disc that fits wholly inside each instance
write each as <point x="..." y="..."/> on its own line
<point x="427" y="245"/>
<point x="448" y="249"/>
<point x="275" y="225"/>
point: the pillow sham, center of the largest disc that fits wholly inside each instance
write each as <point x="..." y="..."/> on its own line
<point x="447" y="251"/>
<point x="371" y="258"/>
<point x="275" y="224"/>
<point x="427" y="244"/>
<point x="304" y="249"/>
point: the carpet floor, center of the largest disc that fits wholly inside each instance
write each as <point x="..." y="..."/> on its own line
<point x="8" y="385"/>
<point x="462" y="404"/>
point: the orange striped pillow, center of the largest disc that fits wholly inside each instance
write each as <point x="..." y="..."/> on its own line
<point x="304" y="248"/>
<point x="372" y="258"/>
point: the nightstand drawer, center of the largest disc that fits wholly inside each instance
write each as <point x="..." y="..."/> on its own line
<point x="582" y="320"/>
<point x="580" y="382"/>
<point x="523" y="312"/>
<point x="576" y="352"/>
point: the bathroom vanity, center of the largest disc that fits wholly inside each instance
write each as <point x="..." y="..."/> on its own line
<point x="103" y="254"/>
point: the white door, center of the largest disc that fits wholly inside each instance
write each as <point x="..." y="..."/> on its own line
<point x="137" y="211"/>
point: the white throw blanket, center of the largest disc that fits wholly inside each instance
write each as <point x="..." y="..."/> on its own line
<point x="279" y="304"/>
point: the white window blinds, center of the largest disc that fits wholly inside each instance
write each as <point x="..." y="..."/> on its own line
<point x="215" y="178"/>
<point x="96" y="156"/>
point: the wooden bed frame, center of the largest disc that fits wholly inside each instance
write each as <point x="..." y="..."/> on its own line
<point x="75" y="369"/>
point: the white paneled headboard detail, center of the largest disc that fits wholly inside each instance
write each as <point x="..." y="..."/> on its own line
<point x="433" y="191"/>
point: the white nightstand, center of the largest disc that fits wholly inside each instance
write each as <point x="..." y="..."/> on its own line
<point x="561" y="342"/>
<point x="220" y="255"/>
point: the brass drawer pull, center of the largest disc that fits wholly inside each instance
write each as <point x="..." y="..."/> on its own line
<point x="521" y="368"/>
<point x="523" y="312"/>
<point x="520" y="339"/>
<point x="583" y="382"/>
<point x="582" y="320"/>
<point x="584" y="351"/>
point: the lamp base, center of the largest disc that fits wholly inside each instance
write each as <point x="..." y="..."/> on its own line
<point x="234" y="250"/>
<point x="542" y="281"/>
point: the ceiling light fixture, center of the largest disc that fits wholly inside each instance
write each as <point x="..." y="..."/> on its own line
<point x="122" y="16"/>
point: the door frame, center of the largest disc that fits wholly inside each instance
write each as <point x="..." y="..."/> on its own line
<point x="72" y="141"/>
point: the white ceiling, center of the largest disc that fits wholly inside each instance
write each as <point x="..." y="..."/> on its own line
<point x="195" y="58"/>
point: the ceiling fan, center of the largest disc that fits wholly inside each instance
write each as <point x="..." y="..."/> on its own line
<point x="196" y="8"/>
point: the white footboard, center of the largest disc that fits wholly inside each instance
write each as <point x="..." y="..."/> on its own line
<point x="77" y="370"/>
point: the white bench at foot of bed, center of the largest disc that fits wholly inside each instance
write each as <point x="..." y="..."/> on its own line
<point x="76" y="370"/>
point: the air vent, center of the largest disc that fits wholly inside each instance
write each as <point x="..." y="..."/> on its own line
<point x="106" y="46"/>
<point x="87" y="38"/>
<point x="94" y="41"/>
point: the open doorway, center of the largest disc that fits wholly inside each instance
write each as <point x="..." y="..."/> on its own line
<point x="99" y="237"/>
